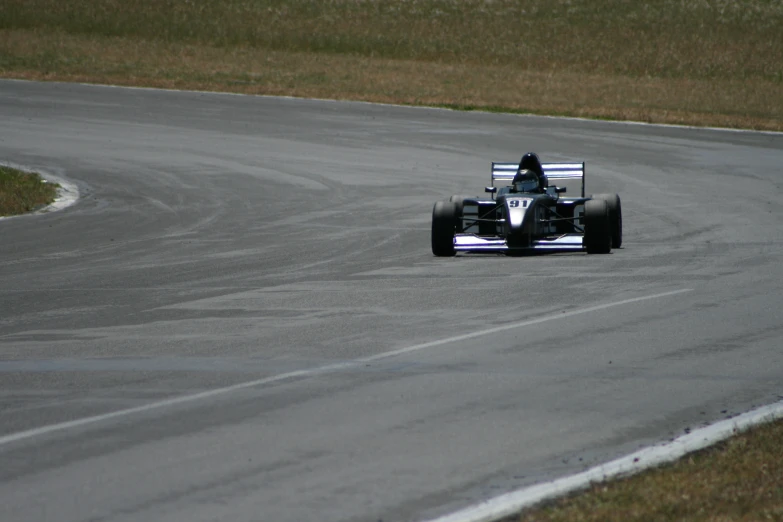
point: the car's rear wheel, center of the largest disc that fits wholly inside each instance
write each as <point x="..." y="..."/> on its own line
<point x="443" y="228"/>
<point x="598" y="230"/>
<point x="615" y="217"/>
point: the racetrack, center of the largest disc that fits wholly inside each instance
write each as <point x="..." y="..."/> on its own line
<point x="282" y="245"/>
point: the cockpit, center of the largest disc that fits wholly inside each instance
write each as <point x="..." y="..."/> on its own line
<point x="527" y="181"/>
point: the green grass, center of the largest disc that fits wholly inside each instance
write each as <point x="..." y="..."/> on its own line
<point x="22" y="192"/>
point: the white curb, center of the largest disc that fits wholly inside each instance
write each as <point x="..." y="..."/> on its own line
<point x="515" y="501"/>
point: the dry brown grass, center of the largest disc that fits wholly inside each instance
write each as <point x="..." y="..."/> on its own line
<point x="740" y="479"/>
<point x="701" y="62"/>
<point x="123" y="61"/>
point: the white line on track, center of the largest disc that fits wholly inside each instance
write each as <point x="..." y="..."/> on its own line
<point x="45" y="430"/>
<point x="512" y="503"/>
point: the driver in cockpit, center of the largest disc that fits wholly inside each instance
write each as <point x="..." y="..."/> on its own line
<point x="528" y="181"/>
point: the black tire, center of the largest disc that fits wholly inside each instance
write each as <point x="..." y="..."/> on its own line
<point x="444" y="223"/>
<point x="460" y="201"/>
<point x="615" y="217"/>
<point x="456" y="198"/>
<point x="598" y="230"/>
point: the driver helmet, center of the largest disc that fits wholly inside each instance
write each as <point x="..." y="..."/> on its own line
<point x="526" y="181"/>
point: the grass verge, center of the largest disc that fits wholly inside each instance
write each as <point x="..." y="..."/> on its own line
<point x="22" y="192"/>
<point x="740" y="479"/>
<point x="711" y="62"/>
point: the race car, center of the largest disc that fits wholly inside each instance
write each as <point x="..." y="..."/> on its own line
<point x="525" y="214"/>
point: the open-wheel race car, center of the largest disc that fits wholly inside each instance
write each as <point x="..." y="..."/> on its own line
<point x="524" y="214"/>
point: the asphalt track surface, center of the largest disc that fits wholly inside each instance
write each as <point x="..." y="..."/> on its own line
<point x="282" y="246"/>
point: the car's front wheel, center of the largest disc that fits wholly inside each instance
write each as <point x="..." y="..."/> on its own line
<point x="444" y="222"/>
<point x="615" y="217"/>
<point x="598" y="230"/>
<point x="460" y="202"/>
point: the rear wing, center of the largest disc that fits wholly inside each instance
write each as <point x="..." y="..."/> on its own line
<point x="504" y="172"/>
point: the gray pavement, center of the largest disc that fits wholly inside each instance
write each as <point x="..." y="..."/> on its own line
<point x="224" y="239"/>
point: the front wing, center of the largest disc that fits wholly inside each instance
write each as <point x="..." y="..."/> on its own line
<point x="561" y="243"/>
